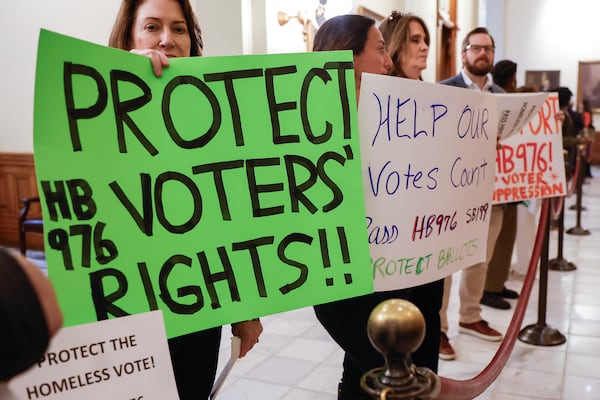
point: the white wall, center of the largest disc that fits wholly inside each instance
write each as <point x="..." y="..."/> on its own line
<point x="223" y="24"/>
<point x="552" y="35"/>
<point x="537" y="34"/>
<point x="20" y="23"/>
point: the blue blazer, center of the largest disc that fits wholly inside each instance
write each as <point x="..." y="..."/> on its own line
<point x="458" y="81"/>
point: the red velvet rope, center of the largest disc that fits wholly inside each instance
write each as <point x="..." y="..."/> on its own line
<point x="471" y="388"/>
<point x="557" y="203"/>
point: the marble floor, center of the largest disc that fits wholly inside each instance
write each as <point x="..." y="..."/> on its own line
<point x="296" y="359"/>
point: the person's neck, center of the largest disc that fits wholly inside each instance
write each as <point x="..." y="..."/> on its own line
<point x="479" y="80"/>
<point x="357" y="79"/>
<point x="413" y="73"/>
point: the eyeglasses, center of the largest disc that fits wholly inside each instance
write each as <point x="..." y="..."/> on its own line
<point x="476" y="48"/>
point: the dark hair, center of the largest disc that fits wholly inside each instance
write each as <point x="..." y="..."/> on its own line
<point x="527" y="89"/>
<point x="564" y="96"/>
<point x="343" y="32"/>
<point x="24" y="333"/>
<point x="480" y="29"/>
<point x="120" y="36"/>
<point x="395" y="30"/>
<point x="504" y="73"/>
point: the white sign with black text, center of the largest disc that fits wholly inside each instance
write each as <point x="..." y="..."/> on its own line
<point x="124" y="358"/>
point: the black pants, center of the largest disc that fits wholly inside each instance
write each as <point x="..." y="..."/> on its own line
<point x="346" y="322"/>
<point x="195" y="357"/>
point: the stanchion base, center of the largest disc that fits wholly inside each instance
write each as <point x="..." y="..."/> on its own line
<point x="560" y="264"/>
<point x="541" y="335"/>
<point x="577" y="230"/>
<point x="574" y="207"/>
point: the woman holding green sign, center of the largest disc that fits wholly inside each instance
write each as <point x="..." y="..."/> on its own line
<point x="159" y="30"/>
<point x="407" y="39"/>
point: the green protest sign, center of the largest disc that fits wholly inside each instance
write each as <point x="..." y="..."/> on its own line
<point x="227" y="189"/>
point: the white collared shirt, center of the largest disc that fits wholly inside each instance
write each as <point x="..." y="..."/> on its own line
<point x="471" y="85"/>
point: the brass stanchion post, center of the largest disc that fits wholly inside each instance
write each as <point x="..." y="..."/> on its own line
<point x="396" y="328"/>
<point x="540" y="333"/>
<point x="577" y="229"/>
<point x="559" y="263"/>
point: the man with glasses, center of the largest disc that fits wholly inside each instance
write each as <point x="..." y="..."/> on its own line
<point x="477" y="54"/>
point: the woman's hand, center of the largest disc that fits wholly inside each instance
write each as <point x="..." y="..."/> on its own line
<point x="248" y="331"/>
<point x="158" y="59"/>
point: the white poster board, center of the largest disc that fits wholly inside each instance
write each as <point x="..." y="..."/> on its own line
<point x="124" y="358"/>
<point x="428" y="154"/>
<point x="516" y="109"/>
<point x="530" y="164"/>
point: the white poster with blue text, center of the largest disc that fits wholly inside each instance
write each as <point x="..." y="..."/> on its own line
<point x="428" y="154"/>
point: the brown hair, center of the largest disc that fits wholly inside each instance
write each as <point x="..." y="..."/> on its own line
<point x="475" y="31"/>
<point x="120" y="36"/>
<point x="395" y="30"/>
<point x="504" y="73"/>
<point x="343" y="32"/>
<point x="527" y="89"/>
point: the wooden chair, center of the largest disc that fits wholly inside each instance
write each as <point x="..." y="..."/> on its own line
<point x="28" y="224"/>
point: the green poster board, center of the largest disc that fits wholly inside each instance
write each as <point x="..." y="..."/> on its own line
<point x="227" y="189"/>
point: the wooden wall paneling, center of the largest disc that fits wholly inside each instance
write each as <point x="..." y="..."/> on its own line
<point x="17" y="180"/>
